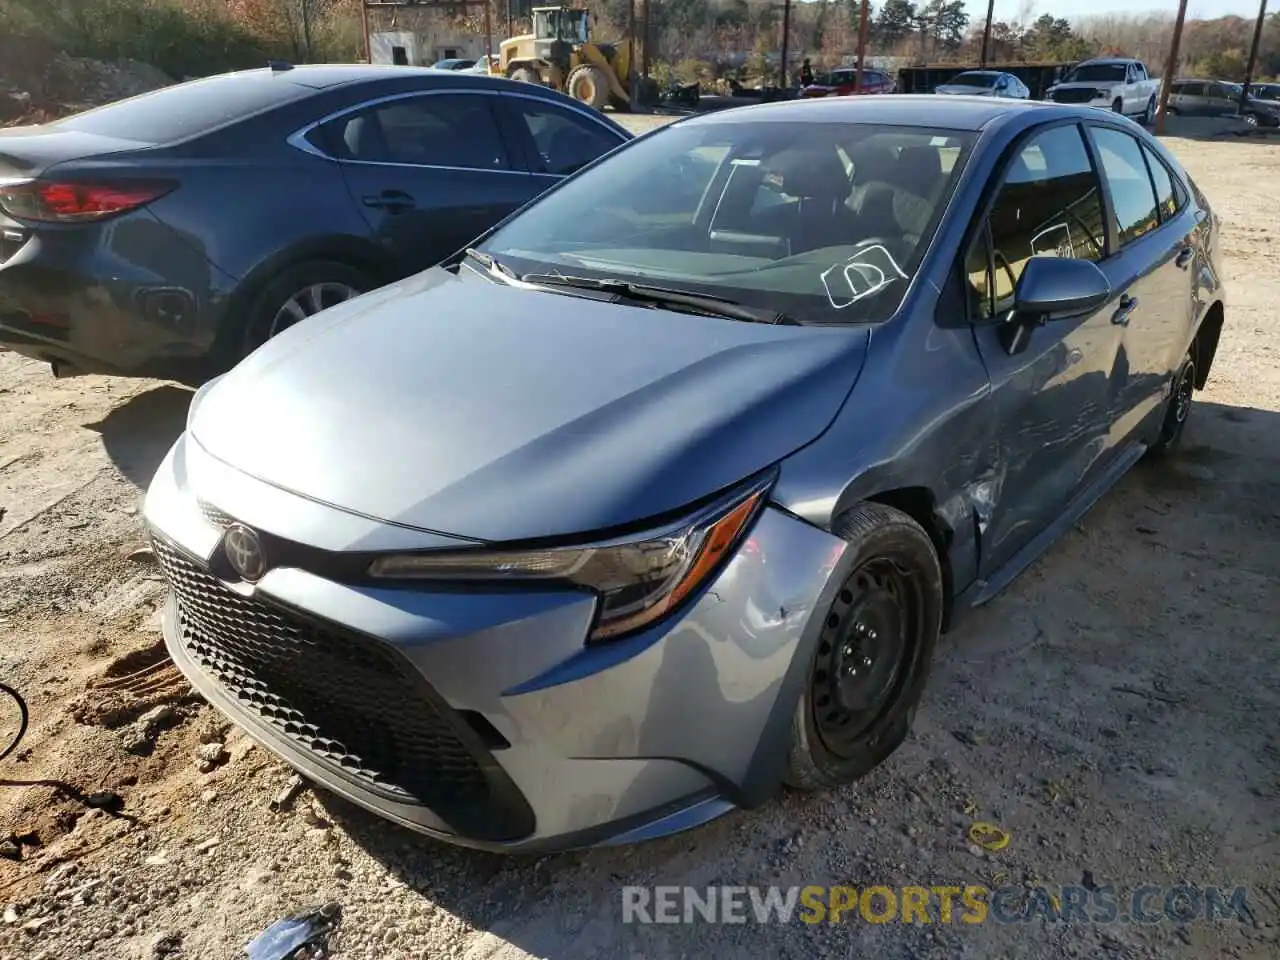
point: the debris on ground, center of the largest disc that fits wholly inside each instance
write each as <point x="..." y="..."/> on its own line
<point x="304" y="935"/>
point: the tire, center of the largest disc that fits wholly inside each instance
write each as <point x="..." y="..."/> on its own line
<point x="895" y="581"/>
<point x="1251" y="119"/>
<point x="1177" y="412"/>
<point x="1117" y="106"/>
<point x="525" y="75"/>
<point x="588" y="84"/>
<point x="1149" y="114"/>
<point x="311" y="286"/>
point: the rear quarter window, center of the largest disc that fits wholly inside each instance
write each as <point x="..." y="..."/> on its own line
<point x="188" y="109"/>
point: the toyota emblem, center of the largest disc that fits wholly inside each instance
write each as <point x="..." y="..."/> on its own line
<point x="244" y="552"/>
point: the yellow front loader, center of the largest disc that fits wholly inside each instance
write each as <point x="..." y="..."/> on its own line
<point x="560" y="53"/>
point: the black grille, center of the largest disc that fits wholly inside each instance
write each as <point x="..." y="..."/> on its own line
<point x="354" y="703"/>
<point x="1074" y="95"/>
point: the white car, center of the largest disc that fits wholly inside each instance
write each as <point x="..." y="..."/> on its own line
<point x="1121" y="85"/>
<point x="985" y="83"/>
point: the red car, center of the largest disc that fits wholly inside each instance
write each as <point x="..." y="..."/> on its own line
<point x="841" y="83"/>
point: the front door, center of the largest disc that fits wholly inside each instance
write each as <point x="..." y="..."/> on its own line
<point x="430" y="172"/>
<point x="558" y="140"/>
<point x="1049" y="402"/>
<point x="1149" y="271"/>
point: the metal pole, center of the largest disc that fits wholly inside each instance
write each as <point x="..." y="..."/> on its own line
<point x="631" y="55"/>
<point x="863" y="25"/>
<point x="644" y="45"/>
<point x="1171" y="66"/>
<point x="1253" y="54"/>
<point x="488" y="31"/>
<point x="986" y="32"/>
<point x="306" y="27"/>
<point x="364" y="26"/>
<point x="786" y="30"/>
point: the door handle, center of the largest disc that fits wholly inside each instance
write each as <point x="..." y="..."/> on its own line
<point x="392" y="201"/>
<point x="1183" y="260"/>
<point x="1127" y="305"/>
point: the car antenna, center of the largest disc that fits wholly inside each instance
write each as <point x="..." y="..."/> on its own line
<point x="279" y="65"/>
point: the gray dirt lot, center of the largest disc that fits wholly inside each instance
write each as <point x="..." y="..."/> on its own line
<point x="1115" y="711"/>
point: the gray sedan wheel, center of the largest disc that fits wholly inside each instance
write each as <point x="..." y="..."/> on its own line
<point x="872" y="660"/>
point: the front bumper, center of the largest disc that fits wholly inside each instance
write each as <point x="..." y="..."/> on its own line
<point x="477" y="716"/>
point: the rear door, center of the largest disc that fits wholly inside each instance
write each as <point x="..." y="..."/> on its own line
<point x="430" y="171"/>
<point x="1149" y="271"/>
<point x="1050" y="402"/>
<point x="1218" y="100"/>
<point x="1193" y="101"/>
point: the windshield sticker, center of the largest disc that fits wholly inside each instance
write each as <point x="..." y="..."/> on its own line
<point x="867" y="272"/>
<point x="1053" y="241"/>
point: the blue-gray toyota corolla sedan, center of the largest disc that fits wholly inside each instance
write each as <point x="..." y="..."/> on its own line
<point x="660" y="496"/>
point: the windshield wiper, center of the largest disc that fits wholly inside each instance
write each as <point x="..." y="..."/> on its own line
<point x="702" y="303"/>
<point x="490" y="263"/>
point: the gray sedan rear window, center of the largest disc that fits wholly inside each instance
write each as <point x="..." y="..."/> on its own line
<point x="185" y="110"/>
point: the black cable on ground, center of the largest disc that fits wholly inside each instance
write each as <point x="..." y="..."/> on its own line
<point x="22" y="719"/>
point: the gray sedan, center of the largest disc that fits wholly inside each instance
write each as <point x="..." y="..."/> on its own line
<point x="985" y="83"/>
<point x="660" y="496"/>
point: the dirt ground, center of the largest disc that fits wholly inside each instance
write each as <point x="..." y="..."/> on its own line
<point x="1114" y="711"/>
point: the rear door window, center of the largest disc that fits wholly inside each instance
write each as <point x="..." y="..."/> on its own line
<point x="1132" y="195"/>
<point x="436" y="130"/>
<point x="1168" y="198"/>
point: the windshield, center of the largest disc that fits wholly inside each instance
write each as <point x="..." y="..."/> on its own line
<point x="823" y="222"/>
<point x="1098" y="72"/>
<point x="975" y="80"/>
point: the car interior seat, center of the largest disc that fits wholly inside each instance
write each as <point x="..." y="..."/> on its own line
<point x="817" y="178"/>
<point x="362" y="138"/>
<point x="918" y="182"/>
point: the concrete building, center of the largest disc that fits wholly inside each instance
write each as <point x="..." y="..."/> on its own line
<point x="421" y="34"/>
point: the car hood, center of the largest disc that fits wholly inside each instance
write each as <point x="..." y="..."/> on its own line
<point x="495" y="413"/>
<point x="1086" y="84"/>
<point x="964" y="89"/>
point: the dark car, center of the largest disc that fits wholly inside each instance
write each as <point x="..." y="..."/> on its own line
<point x="169" y="234"/>
<point x="844" y="83"/>
<point x="661" y="496"/>
<point x="1218" y="98"/>
<point x="453" y="63"/>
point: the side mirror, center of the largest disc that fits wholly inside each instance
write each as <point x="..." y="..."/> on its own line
<point x="1051" y="288"/>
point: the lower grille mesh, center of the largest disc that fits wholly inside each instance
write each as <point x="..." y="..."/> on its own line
<point x="351" y="701"/>
<point x="1073" y="96"/>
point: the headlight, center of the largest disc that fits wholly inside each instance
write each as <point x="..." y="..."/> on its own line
<point x="638" y="579"/>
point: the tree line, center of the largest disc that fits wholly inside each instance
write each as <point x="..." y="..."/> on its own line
<point x="697" y="39"/>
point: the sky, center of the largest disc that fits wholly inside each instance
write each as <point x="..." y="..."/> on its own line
<point x="1072" y="9"/>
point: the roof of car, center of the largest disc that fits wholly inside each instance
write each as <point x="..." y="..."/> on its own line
<point x="321" y="75"/>
<point x="913" y="110"/>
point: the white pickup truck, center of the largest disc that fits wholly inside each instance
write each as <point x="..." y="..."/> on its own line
<point x="1110" y="83"/>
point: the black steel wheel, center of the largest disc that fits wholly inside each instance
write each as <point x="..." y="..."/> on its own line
<point x="873" y="652"/>
<point x="1178" y="410"/>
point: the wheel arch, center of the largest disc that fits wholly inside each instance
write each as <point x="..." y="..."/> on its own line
<point x="921" y="505"/>
<point x="354" y="252"/>
<point x="1204" y="345"/>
